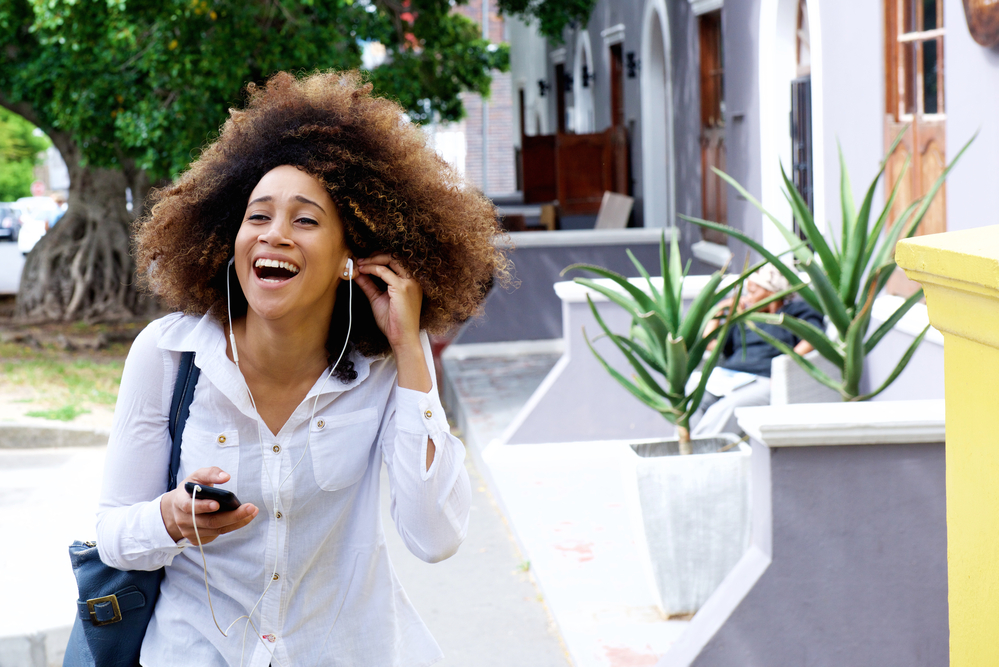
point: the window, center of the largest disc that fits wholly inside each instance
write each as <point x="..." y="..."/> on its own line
<point x="914" y="104"/>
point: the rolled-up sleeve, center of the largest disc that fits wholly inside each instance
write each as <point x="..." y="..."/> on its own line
<point x="130" y="530"/>
<point x="429" y="505"/>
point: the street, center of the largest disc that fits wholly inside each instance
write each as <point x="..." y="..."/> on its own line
<point x="11" y="263"/>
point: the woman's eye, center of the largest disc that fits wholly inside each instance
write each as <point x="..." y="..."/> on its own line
<point x="308" y="221"/>
<point x="257" y="216"/>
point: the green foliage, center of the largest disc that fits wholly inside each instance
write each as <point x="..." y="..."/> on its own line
<point x="843" y="280"/>
<point x="66" y="413"/>
<point x="667" y="344"/>
<point x="552" y="15"/>
<point x="147" y="83"/>
<point x="19" y="153"/>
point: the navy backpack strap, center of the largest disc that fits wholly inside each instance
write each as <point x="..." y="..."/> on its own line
<point x="180" y="408"/>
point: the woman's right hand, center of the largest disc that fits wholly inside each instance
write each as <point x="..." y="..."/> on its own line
<point x="175" y="508"/>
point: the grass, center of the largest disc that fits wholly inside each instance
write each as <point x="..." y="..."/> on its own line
<point x="66" y="413"/>
<point x="62" y="385"/>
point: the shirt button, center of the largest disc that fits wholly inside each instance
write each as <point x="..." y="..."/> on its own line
<point x="428" y="414"/>
<point x="221" y="439"/>
<point x="276" y="576"/>
<point x="278" y="515"/>
<point x="270" y="638"/>
<point x="276" y="448"/>
<point x="321" y="424"/>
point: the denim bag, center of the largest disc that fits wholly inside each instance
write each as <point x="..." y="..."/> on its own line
<point x="114" y="606"/>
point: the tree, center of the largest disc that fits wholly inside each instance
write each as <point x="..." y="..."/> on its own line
<point x="552" y="15"/>
<point x="129" y="90"/>
<point x="19" y="150"/>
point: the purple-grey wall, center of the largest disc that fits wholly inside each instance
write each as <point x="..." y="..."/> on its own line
<point x="740" y="31"/>
<point x="532" y="310"/>
<point x="859" y="566"/>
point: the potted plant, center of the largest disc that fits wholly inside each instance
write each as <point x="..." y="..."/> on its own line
<point x="844" y="280"/>
<point x="692" y="495"/>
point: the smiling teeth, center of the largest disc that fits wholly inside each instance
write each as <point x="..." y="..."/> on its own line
<point x="275" y="264"/>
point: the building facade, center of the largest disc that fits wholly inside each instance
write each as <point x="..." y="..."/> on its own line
<point x="750" y="85"/>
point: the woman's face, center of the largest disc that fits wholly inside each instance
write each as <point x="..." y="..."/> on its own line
<point x="290" y="250"/>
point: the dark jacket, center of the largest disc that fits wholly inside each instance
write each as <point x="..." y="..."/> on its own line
<point x="758" y="352"/>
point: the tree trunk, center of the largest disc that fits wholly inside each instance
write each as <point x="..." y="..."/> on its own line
<point x="82" y="268"/>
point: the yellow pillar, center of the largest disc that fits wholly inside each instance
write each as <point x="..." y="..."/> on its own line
<point x="959" y="272"/>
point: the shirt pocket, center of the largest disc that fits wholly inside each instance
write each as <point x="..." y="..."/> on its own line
<point x="203" y="449"/>
<point x="340" y="445"/>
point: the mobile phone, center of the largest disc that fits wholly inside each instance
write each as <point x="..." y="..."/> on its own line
<point x="227" y="500"/>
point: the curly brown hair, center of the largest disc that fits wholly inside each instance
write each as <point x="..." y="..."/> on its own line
<point x="392" y="191"/>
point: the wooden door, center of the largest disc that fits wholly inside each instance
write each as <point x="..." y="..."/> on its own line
<point x="620" y="142"/>
<point x="587" y="165"/>
<point x="617" y="85"/>
<point x="915" y="105"/>
<point x="714" y="197"/>
<point x="537" y="156"/>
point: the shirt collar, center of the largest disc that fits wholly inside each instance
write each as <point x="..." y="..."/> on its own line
<point x="205" y="337"/>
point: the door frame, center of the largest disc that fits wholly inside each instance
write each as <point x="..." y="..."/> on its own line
<point x="658" y="148"/>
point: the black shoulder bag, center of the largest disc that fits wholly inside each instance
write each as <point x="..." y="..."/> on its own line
<point x="114" y="606"/>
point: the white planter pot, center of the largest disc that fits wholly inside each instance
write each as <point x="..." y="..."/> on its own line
<point x="691" y="514"/>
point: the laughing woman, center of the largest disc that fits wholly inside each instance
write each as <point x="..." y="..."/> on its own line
<point x="308" y="250"/>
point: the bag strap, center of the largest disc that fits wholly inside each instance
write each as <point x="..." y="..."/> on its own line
<point x="180" y="408"/>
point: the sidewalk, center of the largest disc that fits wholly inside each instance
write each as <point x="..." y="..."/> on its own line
<point x="481" y="605"/>
<point x="567" y="504"/>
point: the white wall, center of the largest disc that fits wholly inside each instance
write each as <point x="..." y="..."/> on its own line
<point x="971" y="89"/>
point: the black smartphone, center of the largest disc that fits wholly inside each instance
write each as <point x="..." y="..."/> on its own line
<point x="227" y="500"/>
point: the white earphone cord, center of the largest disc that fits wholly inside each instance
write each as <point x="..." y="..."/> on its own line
<point x="276" y="491"/>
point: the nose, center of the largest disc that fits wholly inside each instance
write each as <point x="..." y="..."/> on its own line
<point x="277" y="233"/>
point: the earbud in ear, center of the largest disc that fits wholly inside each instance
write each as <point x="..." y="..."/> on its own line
<point x="232" y="260"/>
<point x="349" y="271"/>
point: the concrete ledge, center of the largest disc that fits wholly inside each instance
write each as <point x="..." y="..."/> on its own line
<point x="32" y="435"/>
<point x="584" y="237"/>
<point x="867" y="423"/>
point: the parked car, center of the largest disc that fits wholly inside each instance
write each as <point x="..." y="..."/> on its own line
<point x="37" y="214"/>
<point x="10" y="222"/>
<point x="40" y="208"/>
<point x="32" y="230"/>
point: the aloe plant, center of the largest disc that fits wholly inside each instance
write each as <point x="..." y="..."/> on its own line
<point x="664" y="341"/>
<point x="844" y="280"/>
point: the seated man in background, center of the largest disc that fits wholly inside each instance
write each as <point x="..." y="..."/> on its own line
<point x="750" y="353"/>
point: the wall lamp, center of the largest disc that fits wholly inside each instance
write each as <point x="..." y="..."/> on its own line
<point x="633" y="64"/>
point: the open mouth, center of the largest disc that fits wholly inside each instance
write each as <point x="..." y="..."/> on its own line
<point x="274" y="271"/>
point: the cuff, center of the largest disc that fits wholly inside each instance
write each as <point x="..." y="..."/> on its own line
<point x="151" y="521"/>
<point x="420" y="413"/>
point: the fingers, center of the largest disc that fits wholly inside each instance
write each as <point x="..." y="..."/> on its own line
<point x="391" y="278"/>
<point x="208" y="476"/>
<point x="367" y="286"/>
<point x="210" y="526"/>
<point x="385" y="260"/>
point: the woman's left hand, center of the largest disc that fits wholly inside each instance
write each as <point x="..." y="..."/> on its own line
<point x="397" y="309"/>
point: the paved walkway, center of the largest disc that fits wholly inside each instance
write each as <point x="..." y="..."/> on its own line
<point x="481" y="605"/>
<point x="572" y="507"/>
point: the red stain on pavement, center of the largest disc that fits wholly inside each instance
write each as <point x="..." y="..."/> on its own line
<point x="582" y="550"/>
<point x="623" y="656"/>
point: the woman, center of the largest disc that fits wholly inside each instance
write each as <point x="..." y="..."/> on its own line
<point x="305" y="386"/>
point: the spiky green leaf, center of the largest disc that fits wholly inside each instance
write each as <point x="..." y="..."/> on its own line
<point x="890" y="323"/>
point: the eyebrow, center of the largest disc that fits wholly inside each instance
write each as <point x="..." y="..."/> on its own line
<point x="298" y="198"/>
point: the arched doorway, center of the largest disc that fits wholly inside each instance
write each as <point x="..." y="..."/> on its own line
<point x="790" y="81"/>
<point x="657" y="117"/>
<point x="582" y="85"/>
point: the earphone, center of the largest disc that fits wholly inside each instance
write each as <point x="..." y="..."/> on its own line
<point x="348" y="272"/>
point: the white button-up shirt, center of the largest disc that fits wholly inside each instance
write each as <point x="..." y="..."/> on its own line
<point x="316" y="547"/>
